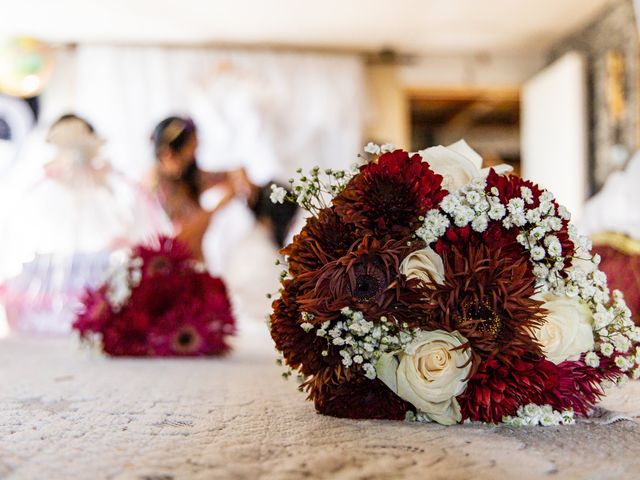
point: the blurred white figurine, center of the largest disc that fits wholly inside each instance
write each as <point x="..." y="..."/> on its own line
<point x="615" y="207"/>
<point x="59" y="235"/>
<point x="612" y="219"/>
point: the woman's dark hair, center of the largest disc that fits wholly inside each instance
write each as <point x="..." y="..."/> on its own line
<point x="174" y="132"/>
<point x="280" y="214"/>
<point x="73" y="116"/>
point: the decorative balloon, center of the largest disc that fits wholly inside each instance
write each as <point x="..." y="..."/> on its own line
<point x="26" y="64"/>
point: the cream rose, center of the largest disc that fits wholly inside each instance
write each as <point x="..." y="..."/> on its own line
<point x="458" y="164"/>
<point x="429" y="374"/>
<point x="568" y="328"/>
<point x="425" y="265"/>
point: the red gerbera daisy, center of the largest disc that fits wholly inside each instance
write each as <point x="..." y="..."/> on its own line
<point x="125" y="333"/>
<point x="94" y="312"/>
<point x="174" y="310"/>
<point x="190" y="330"/>
<point x="163" y="257"/>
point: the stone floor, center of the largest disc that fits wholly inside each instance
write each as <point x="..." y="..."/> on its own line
<point x="68" y="413"/>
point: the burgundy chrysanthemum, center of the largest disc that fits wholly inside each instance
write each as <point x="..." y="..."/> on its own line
<point x="387" y="197"/>
<point x="358" y="398"/>
<point x="301" y="350"/>
<point x="324" y="238"/>
<point x="499" y="387"/>
<point x="366" y="279"/>
<point x="486" y="296"/>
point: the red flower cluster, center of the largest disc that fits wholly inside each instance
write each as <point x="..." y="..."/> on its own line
<point x="500" y="387"/>
<point x="349" y="255"/>
<point x="349" y="258"/>
<point x="172" y="308"/>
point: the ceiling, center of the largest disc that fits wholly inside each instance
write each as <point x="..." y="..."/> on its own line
<point x="417" y="26"/>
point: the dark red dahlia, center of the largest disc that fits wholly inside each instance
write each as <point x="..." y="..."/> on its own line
<point x="387" y="197"/>
<point x="495" y="236"/>
<point x="509" y="186"/>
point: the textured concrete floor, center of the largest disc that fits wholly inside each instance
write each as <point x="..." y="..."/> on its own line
<point x="67" y="413"/>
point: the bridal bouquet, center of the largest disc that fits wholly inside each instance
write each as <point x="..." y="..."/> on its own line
<point x="158" y="302"/>
<point x="424" y="287"/>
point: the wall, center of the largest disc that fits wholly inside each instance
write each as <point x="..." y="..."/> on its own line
<point x="554" y="146"/>
<point x="389" y="86"/>
<point x="388" y="107"/>
<point x="611" y="140"/>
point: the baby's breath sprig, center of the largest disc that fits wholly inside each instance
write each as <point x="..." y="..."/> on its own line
<point x="545" y="415"/>
<point x="314" y="190"/>
<point x="360" y="342"/>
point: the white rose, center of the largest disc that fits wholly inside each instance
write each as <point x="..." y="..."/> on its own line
<point x="568" y="328"/>
<point x="425" y="265"/>
<point x="458" y="164"/>
<point x="429" y="374"/>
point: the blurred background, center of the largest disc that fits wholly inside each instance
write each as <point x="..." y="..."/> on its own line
<point x="548" y="86"/>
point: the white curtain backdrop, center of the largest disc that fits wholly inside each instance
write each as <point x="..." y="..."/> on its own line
<point x="268" y="111"/>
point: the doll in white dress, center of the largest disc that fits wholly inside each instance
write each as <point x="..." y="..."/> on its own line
<point x="58" y="237"/>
